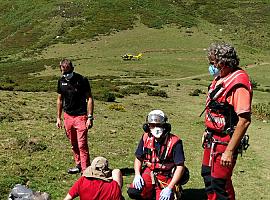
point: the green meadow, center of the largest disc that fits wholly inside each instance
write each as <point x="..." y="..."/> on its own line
<point x="172" y="76"/>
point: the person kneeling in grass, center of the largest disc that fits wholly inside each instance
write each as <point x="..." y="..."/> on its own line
<point x="159" y="162"/>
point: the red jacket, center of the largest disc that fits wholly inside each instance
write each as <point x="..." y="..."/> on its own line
<point x="220" y="115"/>
<point x="162" y="160"/>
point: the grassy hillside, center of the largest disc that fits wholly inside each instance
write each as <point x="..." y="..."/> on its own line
<point x="27" y="26"/>
<point x="172" y="35"/>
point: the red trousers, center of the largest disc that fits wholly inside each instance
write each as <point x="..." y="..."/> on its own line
<point x="150" y="189"/>
<point x="217" y="178"/>
<point x="76" y="131"/>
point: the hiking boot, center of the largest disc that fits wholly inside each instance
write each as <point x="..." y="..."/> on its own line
<point x="75" y="170"/>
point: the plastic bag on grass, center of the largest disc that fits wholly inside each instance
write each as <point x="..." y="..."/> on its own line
<point x="20" y="192"/>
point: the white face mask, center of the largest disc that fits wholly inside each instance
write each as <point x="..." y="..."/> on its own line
<point x="68" y="76"/>
<point x="157" y="132"/>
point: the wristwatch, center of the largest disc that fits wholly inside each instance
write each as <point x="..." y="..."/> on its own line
<point x="90" y="117"/>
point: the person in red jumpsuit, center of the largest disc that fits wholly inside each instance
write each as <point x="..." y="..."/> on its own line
<point x="227" y="118"/>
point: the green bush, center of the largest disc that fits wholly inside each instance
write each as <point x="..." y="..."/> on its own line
<point x="135" y="89"/>
<point x="196" y="92"/>
<point x="164" y="85"/>
<point x="19" y="76"/>
<point x="118" y="95"/>
<point x="160" y="93"/>
<point x="7" y="87"/>
<point x="108" y="97"/>
<point x="117" y="107"/>
<point x="146" y="83"/>
<point x="254" y="84"/>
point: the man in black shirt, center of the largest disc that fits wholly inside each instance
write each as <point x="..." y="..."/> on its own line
<point x="75" y="97"/>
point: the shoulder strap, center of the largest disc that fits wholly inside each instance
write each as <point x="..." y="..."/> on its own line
<point x="239" y="78"/>
<point x="171" y="140"/>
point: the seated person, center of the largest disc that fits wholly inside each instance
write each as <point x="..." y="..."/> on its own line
<point x="98" y="182"/>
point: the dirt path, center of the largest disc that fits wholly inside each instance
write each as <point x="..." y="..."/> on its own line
<point x="250" y="66"/>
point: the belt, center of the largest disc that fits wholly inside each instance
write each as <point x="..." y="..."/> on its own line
<point x="228" y="131"/>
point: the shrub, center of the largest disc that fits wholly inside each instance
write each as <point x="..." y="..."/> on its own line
<point x="117" y="107"/>
<point x="146" y="83"/>
<point x="164" y="86"/>
<point x="254" y="84"/>
<point x="118" y="95"/>
<point x="196" y="92"/>
<point x="135" y="89"/>
<point x="7" y="87"/>
<point x="160" y="93"/>
<point x="108" y="97"/>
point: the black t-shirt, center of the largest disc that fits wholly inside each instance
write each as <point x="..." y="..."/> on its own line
<point x="178" y="152"/>
<point x="74" y="94"/>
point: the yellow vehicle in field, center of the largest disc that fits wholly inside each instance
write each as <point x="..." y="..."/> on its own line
<point x="132" y="57"/>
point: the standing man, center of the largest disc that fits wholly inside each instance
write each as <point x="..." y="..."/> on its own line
<point x="159" y="162"/>
<point x="75" y="97"/>
<point x="228" y="115"/>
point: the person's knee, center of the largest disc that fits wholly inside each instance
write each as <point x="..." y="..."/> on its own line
<point x="116" y="173"/>
<point x="134" y="193"/>
<point x="117" y="176"/>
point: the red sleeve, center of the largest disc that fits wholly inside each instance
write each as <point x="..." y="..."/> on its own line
<point x="240" y="99"/>
<point x="74" y="190"/>
<point x="116" y="190"/>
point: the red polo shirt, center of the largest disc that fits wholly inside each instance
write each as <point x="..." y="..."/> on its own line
<point x="95" y="189"/>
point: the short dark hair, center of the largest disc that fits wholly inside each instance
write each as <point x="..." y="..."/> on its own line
<point x="66" y="62"/>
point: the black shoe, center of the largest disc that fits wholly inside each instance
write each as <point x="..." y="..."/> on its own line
<point x="75" y="170"/>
